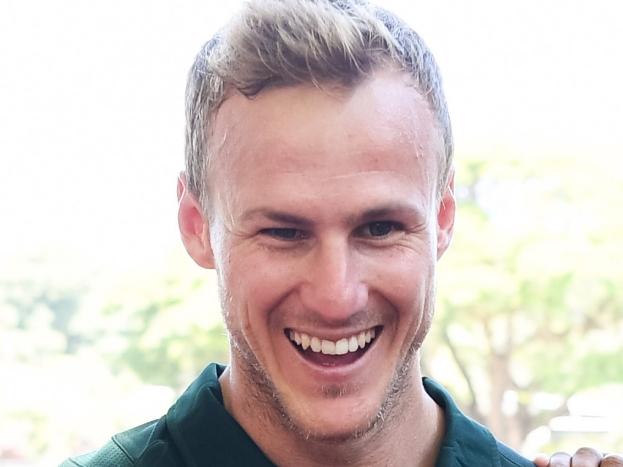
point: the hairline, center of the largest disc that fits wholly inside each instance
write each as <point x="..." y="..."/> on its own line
<point x="214" y="148"/>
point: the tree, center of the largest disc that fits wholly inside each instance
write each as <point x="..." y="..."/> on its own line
<point x="165" y="327"/>
<point x="529" y="298"/>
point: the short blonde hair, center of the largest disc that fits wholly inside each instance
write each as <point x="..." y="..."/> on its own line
<point x="288" y="42"/>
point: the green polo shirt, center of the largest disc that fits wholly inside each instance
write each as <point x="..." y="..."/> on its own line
<point x="198" y="431"/>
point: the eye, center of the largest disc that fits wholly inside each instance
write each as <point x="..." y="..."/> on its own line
<point x="379" y="229"/>
<point x="286" y="234"/>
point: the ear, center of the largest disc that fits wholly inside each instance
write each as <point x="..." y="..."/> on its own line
<point x="445" y="216"/>
<point x="194" y="226"/>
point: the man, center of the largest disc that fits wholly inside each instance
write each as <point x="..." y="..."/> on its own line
<point x="319" y="184"/>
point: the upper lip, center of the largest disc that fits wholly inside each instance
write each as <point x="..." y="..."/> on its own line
<point x="332" y="335"/>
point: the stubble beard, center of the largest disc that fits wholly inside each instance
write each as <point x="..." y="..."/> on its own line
<point x="266" y="396"/>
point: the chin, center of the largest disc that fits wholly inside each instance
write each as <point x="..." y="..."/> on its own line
<point x="336" y="420"/>
<point x="337" y="433"/>
<point x="340" y="417"/>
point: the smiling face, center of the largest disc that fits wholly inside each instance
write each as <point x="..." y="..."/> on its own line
<point x="325" y="231"/>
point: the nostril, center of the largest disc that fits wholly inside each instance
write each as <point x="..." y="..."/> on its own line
<point x="334" y="301"/>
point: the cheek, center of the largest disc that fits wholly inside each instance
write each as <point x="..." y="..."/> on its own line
<point x="406" y="284"/>
<point x="403" y="277"/>
<point x="255" y="288"/>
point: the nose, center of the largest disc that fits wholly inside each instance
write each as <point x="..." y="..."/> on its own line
<point x="334" y="288"/>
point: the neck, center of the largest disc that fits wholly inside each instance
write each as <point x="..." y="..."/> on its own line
<point x="410" y="434"/>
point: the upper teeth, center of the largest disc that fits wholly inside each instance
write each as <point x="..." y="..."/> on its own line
<point x="327" y="347"/>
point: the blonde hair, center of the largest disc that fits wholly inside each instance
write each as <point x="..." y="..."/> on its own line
<point x="288" y="42"/>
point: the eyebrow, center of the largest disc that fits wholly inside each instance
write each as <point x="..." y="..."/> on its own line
<point x="388" y="211"/>
<point x="384" y="211"/>
<point x="376" y="213"/>
<point x="277" y="216"/>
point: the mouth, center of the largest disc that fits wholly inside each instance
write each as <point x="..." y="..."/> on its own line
<point x="327" y="352"/>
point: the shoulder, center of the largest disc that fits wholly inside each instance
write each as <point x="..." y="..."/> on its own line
<point x="160" y="443"/>
<point x="128" y="448"/>
<point x="110" y="454"/>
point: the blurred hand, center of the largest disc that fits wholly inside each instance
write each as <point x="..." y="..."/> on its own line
<point x="583" y="457"/>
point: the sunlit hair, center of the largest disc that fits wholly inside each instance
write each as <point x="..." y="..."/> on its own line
<point x="273" y="43"/>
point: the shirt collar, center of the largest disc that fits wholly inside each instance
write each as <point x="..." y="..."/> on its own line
<point x="466" y="442"/>
<point x="201" y="427"/>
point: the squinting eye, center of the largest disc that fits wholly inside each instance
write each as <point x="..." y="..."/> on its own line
<point x="284" y="233"/>
<point x="378" y="229"/>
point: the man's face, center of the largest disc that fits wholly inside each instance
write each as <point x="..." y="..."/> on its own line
<point x="325" y="233"/>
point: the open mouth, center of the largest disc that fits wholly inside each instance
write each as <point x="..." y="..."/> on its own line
<point x="327" y="352"/>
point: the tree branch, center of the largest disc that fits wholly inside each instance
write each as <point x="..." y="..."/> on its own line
<point x="473" y="405"/>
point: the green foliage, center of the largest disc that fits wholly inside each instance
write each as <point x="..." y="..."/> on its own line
<point x="35" y="299"/>
<point x="168" y="327"/>
<point x="531" y="288"/>
<point x="174" y="359"/>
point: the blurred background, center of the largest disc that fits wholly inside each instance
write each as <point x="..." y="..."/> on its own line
<point x="104" y="320"/>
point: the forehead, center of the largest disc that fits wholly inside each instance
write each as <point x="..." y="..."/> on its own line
<point x="331" y="136"/>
